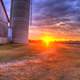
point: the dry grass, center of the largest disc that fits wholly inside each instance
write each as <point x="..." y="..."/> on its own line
<point x="38" y="62"/>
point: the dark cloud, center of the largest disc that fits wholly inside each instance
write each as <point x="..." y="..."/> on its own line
<point x="51" y="12"/>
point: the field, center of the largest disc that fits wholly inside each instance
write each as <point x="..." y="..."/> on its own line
<point x="36" y="61"/>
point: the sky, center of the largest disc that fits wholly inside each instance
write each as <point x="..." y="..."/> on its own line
<point x="7" y="5"/>
<point x="59" y="19"/>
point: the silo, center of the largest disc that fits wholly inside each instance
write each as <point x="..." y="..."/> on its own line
<point x="3" y="24"/>
<point x="20" y="20"/>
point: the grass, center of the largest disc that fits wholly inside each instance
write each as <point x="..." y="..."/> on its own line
<point x="12" y="52"/>
<point x="64" y="63"/>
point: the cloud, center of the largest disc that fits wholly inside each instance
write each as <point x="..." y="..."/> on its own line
<point x="60" y="16"/>
<point x="56" y="10"/>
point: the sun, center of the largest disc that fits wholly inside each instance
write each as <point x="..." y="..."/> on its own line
<point x="47" y="40"/>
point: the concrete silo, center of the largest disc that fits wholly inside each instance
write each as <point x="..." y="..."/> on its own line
<point x="3" y="24"/>
<point x="20" y="20"/>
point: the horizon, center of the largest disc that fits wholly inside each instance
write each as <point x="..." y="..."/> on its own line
<point x="55" y="40"/>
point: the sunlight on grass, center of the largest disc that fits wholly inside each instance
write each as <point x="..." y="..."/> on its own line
<point x="12" y="52"/>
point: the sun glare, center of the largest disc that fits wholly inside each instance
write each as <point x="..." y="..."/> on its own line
<point x="47" y="40"/>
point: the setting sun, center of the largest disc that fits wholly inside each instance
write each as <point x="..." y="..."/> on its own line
<point x="47" y="40"/>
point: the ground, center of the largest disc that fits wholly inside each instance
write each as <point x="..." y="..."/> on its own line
<point x="35" y="61"/>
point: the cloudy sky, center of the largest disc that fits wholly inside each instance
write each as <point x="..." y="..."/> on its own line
<point x="57" y="18"/>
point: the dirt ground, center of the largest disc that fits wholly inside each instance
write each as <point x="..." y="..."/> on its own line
<point x="59" y="61"/>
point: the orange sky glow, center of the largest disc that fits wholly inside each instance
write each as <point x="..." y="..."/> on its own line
<point x="37" y="34"/>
